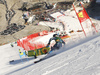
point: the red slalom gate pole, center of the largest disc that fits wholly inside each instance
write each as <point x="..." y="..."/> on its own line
<point x="89" y="17"/>
<point x="79" y="21"/>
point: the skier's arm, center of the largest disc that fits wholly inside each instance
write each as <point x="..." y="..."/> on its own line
<point x="63" y="42"/>
<point x="50" y="40"/>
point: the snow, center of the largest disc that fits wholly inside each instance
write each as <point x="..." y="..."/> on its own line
<point x="52" y="24"/>
<point x="80" y="56"/>
<point x="68" y="21"/>
<point x="56" y="15"/>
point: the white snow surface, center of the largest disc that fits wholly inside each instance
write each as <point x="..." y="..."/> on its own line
<point x="80" y="56"/>
<point x="67" y="21"/>
<point x="75" y="58"/>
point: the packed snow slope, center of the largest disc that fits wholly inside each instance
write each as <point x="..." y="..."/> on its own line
<point x="76" y="58"/>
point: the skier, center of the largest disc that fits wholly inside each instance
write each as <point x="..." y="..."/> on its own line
<point x="58" y="43"/>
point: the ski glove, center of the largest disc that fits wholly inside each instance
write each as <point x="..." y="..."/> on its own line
<point x="48" y="45"/>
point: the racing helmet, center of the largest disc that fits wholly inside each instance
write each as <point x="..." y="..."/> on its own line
<point x="54" y="35"/>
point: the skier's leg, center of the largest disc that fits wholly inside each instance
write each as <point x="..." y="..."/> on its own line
<point x="35" y="56"/>
<point x="59" y="45"/>
<point x="53" y="48"/>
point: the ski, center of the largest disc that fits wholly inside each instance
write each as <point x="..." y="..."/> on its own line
<point x="44" y="58"/>
<point x="37" y="61"/>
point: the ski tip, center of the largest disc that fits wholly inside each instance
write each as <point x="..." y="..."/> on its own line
<point x="37" y="61"/>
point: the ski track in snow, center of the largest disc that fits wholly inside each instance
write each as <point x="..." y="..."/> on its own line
<point x="79" y="54"/>
<point x="75" y="55"/>
<point x="47" y="72"/>
<point x="91" y="46"/>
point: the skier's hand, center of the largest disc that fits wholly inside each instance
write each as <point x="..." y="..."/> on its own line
<point x="48" y="45"/>
<point x="64" y="44"/>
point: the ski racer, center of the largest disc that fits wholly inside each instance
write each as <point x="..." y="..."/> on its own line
<point x="58" y="41"/>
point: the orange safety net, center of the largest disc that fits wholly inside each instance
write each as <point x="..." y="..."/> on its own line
<point x="24" y="42"/>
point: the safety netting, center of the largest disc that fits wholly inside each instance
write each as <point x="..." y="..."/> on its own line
<point x="34" y="41"/>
